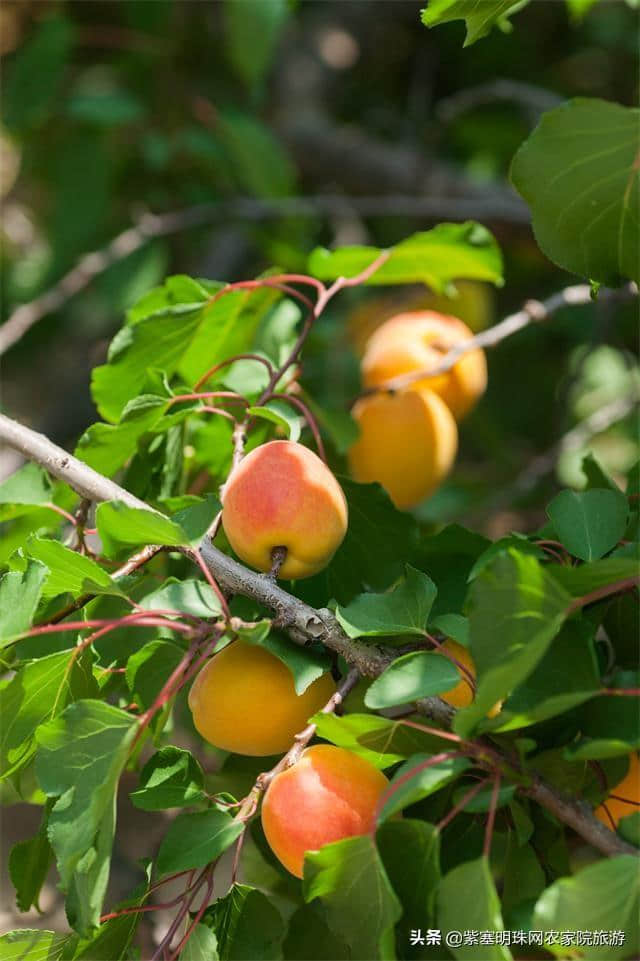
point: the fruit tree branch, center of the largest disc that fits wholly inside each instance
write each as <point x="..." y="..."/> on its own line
<point x="534" y="311"/>
<point x="303" y="623"/>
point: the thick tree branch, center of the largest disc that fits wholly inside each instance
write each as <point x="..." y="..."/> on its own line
<point x="302" y="622"/>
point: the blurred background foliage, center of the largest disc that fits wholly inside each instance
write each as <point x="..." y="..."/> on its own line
<point x="113" y="110"/>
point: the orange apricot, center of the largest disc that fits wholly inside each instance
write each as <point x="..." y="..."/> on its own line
<point x="462" y="694"/>
<point x="328" y="795"/>
<point x="408" y="442"/>
<point x="244" y="701"/>
<point x="282" y="495"/>
<point x="629" y="790"/>
<point x="416" y="341"/>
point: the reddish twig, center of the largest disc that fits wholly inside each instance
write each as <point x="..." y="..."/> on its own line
<point x="310" y="419"/>
<point x="462" y="803"/>
<point x="493" y="804"/>
<point x="231" y="360"/>
<point x="617" y="587"/>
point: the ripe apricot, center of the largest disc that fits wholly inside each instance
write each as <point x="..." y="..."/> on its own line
<point x="628" y="788"/>
<point x="243" y="700"/>
<point x="462" y="694"/>
<point x="328" y="795"/>
<point x="283" y="495"/>
<point x="417" y="341"/>
<point x="408" y="442"/>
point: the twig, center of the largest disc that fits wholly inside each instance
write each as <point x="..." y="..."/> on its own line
<point x="302" y="622"/>
<point x="533" y="311"/>
<point x="534" y="99"/>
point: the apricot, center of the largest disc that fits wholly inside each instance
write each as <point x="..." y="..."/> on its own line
<point x="417" y="341"/>
<point x="283" y="495"/>
<point x="328" y="795"/>
<point x="244" y="701"/>
<point x="462" y="694"/>
<point x="629" y="789"/>
<point x="408" y="442"/>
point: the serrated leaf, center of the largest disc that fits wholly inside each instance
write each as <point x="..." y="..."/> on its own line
<point x="120" y="525"/>
<point x="515" y="610"/>
<point x="590" y="523"/>
<point x="68" y="571"/>
<point x="149" y="668"/>
<point x="467" y="899"/>
<point x="418" y="778"/>
<point x="361" y="907"/>
<point x="171" y="778"/>
<point x="193" y="840"/>
<point x="201" y="946"/>
<point x="603" y="896"/>
<point x="480" y="18"/>
<point x="410" y="677"/>
<point x="188" y="596"/>
<point x="196" y="519"/>
<point x="79" y="760"/>
<point x="107" y="447"/>
<point x="434" y="257"/>
<point x="39" y="691"/>
<point x="579" y="171"/>
<point x="20" y="593"/>
<point x="403" y="610"/>
<point x="31" y="944"/>
<point x="380" y="741"/>
<point x="246" y="925"/>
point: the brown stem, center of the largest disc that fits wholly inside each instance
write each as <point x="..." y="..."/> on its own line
<point x="616" y="588"/>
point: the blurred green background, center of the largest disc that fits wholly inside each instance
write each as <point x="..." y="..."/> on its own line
<point x="274" y="127"/>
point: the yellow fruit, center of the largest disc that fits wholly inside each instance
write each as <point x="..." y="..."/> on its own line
<point x="244" y="701"/>
<point x="417" y="341"/>
<point x="407" y="443"/>
<point x="462" y="694"/>
<point x="283" y="495"/>
<point x="629" y="790"/>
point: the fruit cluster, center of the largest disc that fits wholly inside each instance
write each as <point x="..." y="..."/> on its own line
<point x="408" y="435"/>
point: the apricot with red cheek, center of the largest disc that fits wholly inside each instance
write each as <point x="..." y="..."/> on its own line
<point x="328" y="795"/>
<point x="282" y="495"/>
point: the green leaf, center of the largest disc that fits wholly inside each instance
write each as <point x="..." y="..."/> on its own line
<point x="244" y="138"/>
<point x="595" y="474"/>
<point x="29" y="863"/>
<point x="479" y="18"/>
<point x="309" y="938"/>
<point x="448" y="557"/>
<point x="280" y="413"/>
<point x="566" y="676"/>
<point x="120" y="525"/>
<point x="371" y="555"/>
<point x="108" y="447"/>
<point x="33" y="945"/>
<point x="603" y="896"/>
<point x="362" y="909"/>
<point x="193" y="840"/>
<point x="589" y="577"/>
<point x="36" y="73"/>
<point x="629" y="828"/>
<point x="482" y="801"/>
<point x="306" y="665"/>
<point x="467" y="899"/>
<point x="79" y="760"/>
<point x="69" y="571"/>
<point x="524" y="878"/>
<point x="188" y="596"/>
<point x="454" y="626"/>
<point x="252" y="31"/>
<point x="404" y="610"/>
<point x="196" y="519"/>
<point x="515" y="610"/>
<point x="579" y="173"/>
<point x="517" y="541"/>
<point x="201" y="946"/>
<point x="246" y="925"/>
<point x="149" y="668"/>
<point x="29" y="485"/>
<point x="408" y="678"/>
<point x="19" y="596"/>
<point x="414" y="878"/>
<point x="589" y="524"/>
<point x="434" y="257"/>
<point x="418" y="778"/>
<point x="39" y="691"/>
<point x="377" y="739"/>
<point x="608" y="724"/>
<point x="171" y="778"/>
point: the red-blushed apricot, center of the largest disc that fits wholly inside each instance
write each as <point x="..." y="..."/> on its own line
<point x="408" y="442"/>
<point x="244" y="701"/>
<point x="416" y="341"/>
<point x="629" y="790"/>
<point x="328" y="795"/>
<point x="462" y="694"/>
<point x="283" y="495"/>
